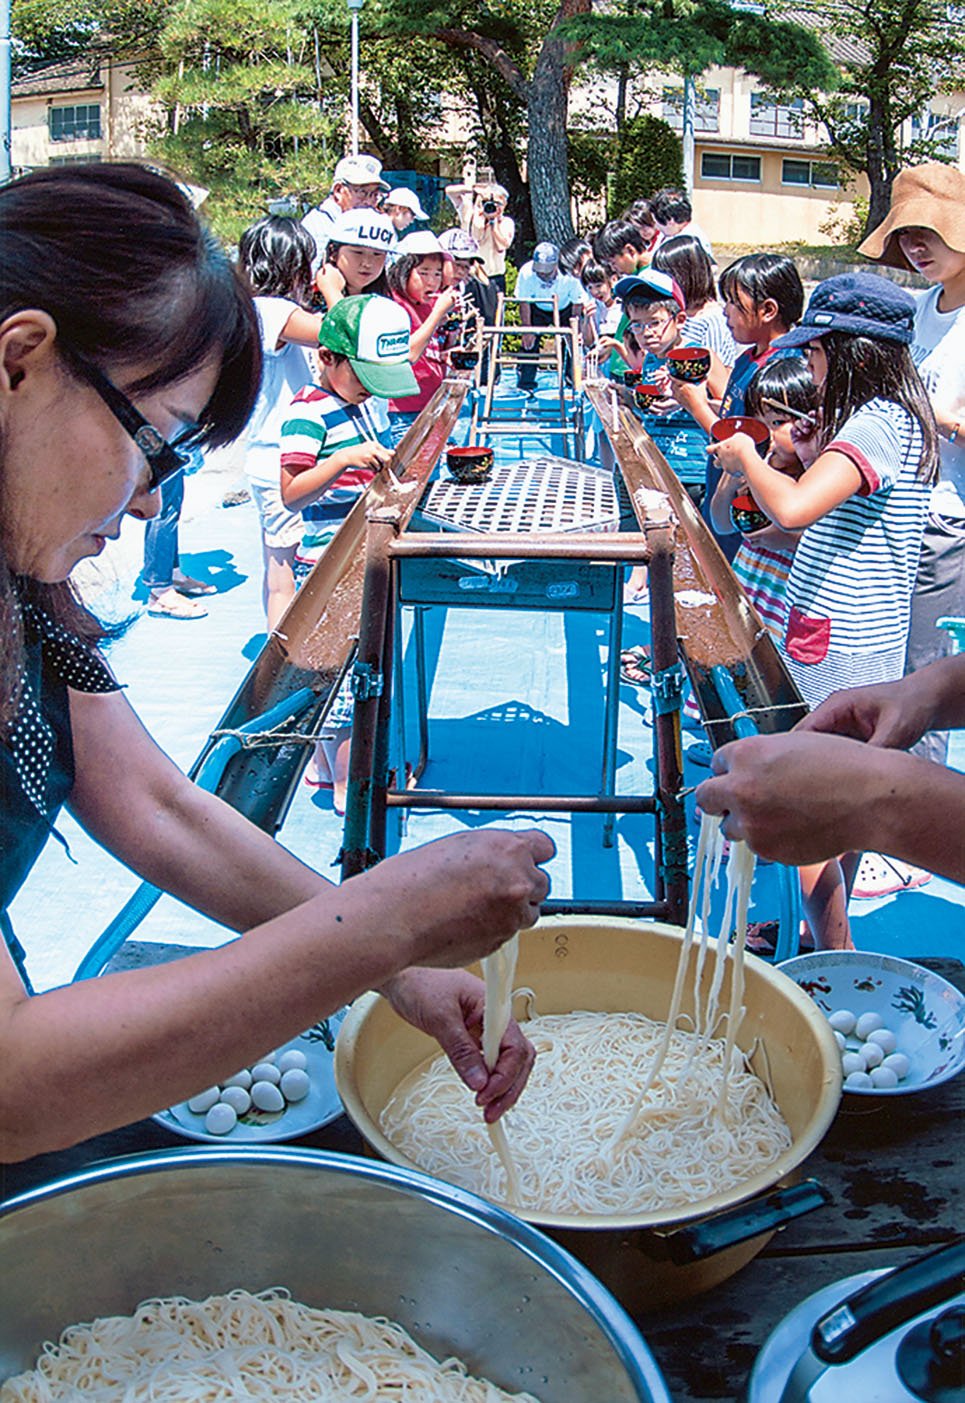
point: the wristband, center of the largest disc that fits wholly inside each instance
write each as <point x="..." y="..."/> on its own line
<point x="953" y="436"/>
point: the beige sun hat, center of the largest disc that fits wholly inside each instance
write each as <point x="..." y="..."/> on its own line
<point x="929" y="196"/>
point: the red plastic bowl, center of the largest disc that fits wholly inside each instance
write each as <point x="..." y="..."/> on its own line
<point x="743" y="424"/>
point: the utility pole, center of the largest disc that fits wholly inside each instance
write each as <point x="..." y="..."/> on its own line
<point x="6" y="163"/>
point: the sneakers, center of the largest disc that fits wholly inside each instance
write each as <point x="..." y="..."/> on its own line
<point x="879" y="875"/>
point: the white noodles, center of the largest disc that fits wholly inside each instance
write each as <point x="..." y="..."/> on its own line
<point x="499" y="971"/>
<point x="257" y="1347"/>
<point x="622" y="1114"/>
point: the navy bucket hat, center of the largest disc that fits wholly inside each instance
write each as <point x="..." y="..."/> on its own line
<point x="861" y="304"/>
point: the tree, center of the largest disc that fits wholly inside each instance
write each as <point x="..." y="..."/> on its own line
<point x="49" y="31"/>
<point x="893" y="57"/>
<point x="648" y="158"/>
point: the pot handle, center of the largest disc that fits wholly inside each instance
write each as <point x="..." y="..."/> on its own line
<point x="758" y="1215"/>
<point x="875" y="1310"/>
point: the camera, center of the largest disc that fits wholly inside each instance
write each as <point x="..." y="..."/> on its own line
<point x="489" y="206"/>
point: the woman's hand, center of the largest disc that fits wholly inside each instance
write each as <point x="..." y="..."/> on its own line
<point x="893" y="715"/>
<point x="448" y="1005"/>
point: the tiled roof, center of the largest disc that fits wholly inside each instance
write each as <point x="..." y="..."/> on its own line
<point x="846" y="52"/>
<point x="68" y="76"/>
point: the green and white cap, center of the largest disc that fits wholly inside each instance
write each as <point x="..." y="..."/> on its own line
<point x="374" y="333"/>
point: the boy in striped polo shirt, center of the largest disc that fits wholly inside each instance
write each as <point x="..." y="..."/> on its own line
<point x="330" y="452"/>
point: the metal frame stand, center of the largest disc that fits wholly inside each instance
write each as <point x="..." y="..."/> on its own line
<point x="371" y="791"/>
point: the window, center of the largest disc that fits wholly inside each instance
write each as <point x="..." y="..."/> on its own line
<point x="939" y="127"/>
<point x="822" y="175"/>
<point x="81" y="123"/>
<point x="777" y="119"/>
<point x="706" y="109"/>
<point x="715" y="166"/>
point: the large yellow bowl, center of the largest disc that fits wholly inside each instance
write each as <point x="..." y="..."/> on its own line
<point x="606" y="964"/>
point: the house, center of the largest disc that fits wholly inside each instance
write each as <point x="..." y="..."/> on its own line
<point x="83" y="109"/>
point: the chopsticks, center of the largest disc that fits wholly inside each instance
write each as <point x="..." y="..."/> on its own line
<point x="784" y="408"/>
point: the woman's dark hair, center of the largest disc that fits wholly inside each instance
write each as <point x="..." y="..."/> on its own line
<point x="613" y="239"/>
<point x="275" y="256"/>
<point x="400" y="271"/>
<point x="115" y="255"/>
<point x="861" y="369"/>
<point x="766" y="275"/>
<point x="572" y="252"/>
<point x="783" y="380"/>
<point x="381" y="283"/>
<point x="687" y="261"/>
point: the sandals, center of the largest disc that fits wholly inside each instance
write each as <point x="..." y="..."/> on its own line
<point x="171" y="604"/>
<point x="762" y="939"/>
<point x="879" y="875"/>
<point x="635" y="666"/>
<point x="185" y="585"/>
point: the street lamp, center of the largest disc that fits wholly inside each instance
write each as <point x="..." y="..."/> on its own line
<point x="354" y="7"/>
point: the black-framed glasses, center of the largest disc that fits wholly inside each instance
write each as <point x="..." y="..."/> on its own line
<point x="163" y="459"/>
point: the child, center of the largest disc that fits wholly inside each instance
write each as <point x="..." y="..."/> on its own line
<point x="685" y="259"/>
<point x="276" y="257"/>
<point x="358" y="243"/>
<point x="763" y="297"/>
<point x="330" y="452"/>
<point x="479" y="298"/>
<point x="604" y="316"/>
<point x="415" y="281"/>
<point x="625" y="250"/>
<point x="860" y="506"/>
<point x="653" y="305"/>
<point x="403" y="208"/>
<point x="763" y="562"/>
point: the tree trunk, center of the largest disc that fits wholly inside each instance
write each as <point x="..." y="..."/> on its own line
<point x="546" y="150"/>
<point x="882" y="163"/>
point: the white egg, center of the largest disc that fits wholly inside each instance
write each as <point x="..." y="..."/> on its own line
<point x="899" y="1064"/>
<point x="242" y="1079"/>
<point x="265" y="1071"/>
<point x="884" y="1079"/>
<point x="839" y="1039"/>
<point x="858" y="1081"/>
<point x="852" y="1062"/>
<point x="292" y="1060"/>
<point x="267" y="1097"/>
<point x="873" y="1055"/>
<point x="885" y="1039"/>
<point x="220" y="1119"/>
<point x="295" y="1084"/>
<point x="268" y="1057"/>
<point x="204" y="1100"/>
<point x="237" y="1098"/>
<point x="842" y="1021"/>
<point x="867" y="1024"/>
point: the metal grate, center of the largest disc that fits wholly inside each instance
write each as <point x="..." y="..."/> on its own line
<point x="534" y="494"/>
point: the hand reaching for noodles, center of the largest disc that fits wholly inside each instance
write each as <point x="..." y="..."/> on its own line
<point x="448" y="1005"/>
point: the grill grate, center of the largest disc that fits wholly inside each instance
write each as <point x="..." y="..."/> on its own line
<point x="534" y="494"/>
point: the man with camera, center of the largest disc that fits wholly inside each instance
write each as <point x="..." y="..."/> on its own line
<point x="481" y="211"/>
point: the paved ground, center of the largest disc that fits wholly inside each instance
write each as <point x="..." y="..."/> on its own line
<point x="516" y="704"/>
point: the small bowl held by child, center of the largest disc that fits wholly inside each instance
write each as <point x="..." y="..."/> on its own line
<point x="691" y="364"/>
<point x="743" y="424"/>
<point x="463" y="359"/>
<point x="645" y="396"/>
<point x="470" y="464"/>
<point x="747" y="515"/>
<point x="632" y="377"/>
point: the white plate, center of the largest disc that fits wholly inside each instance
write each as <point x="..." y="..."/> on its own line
<point x="321" y="1105"/>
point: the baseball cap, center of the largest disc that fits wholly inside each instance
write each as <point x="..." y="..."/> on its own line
<point x="423" y="241"/>
<point x="459" y="243"/>
<point x="374" y="333"/>
<point x="408" y="199"/>
<point x="363" y="228"/>
<point x="546" y="255"/>
<point x="863" y="304"/>
<point x="653" y="284"/>
<point x="360" y="170"/>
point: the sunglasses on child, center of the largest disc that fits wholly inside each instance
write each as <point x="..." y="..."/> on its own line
<point x="163" y="458"/>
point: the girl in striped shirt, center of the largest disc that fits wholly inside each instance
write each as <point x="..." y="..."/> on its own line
<point x="860" y="507"/>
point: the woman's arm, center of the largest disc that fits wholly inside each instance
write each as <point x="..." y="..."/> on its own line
<point x="830" y="480"/>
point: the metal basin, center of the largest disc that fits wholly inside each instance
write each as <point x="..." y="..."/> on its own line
<point x="463" y="1277"/>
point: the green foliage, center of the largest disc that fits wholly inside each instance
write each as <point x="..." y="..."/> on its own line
<point x="649" y="156"/>
<point x="591" y="155"/>
<point x="49" y="31"/>
<point x="845" y="226"/>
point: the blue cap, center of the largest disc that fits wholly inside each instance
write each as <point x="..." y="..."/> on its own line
<point x="861" y="304"/>
<point x="545" y="255"/>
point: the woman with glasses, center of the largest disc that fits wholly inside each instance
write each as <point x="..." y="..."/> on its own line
<point x="124" y="335"/>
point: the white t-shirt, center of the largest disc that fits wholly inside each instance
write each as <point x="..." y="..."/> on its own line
<point x="318" y="222"/>
<point x="939" y="354"/>
<point x="285" y="370"/>
<point x="567" y="290"/>
<point x="709" y="329"/>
